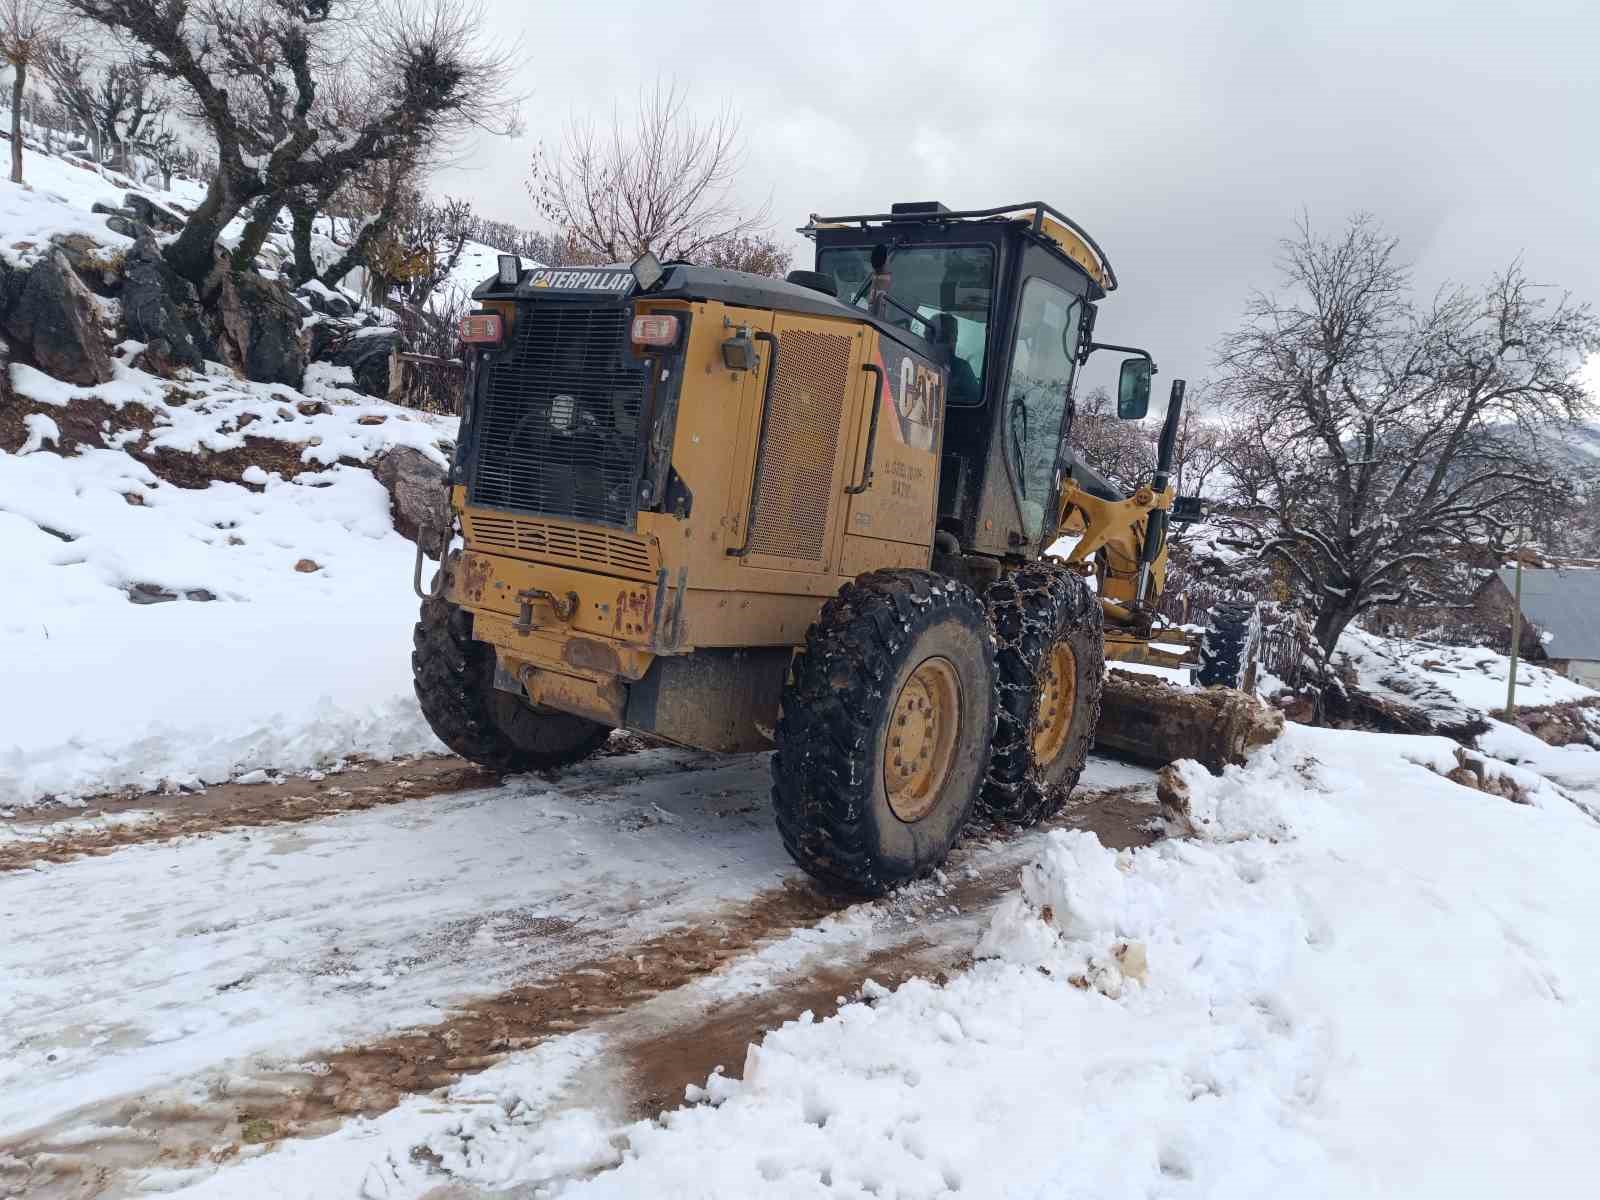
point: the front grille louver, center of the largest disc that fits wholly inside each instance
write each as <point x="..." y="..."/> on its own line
<point x="571" y="361"/>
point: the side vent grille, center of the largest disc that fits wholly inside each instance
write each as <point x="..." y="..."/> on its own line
<point x="800" y="445"/>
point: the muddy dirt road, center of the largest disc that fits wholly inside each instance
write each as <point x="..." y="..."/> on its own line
<point x="219" y="978"/>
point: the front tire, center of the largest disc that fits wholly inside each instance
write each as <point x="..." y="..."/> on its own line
<point x="1051" y="664"/>
<point x="883" y="737"/>
<point x="454" y="680"/>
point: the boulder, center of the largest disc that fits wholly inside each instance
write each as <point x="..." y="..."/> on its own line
<point x="126" y="226"/>
<point x="109" y="210"/>
<point x="152" y="214"/>
<point x="161" y="309"/>
<point x="256" y="322"/>
<point x="367" y="356"/>
<point x="322" y="299"/>
<point x="51" y="318"/>
<point x="83" y="252"/>
<point x="419" y="497"/>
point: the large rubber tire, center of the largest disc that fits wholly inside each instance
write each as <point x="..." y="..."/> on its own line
<point x="1051" y="667"/>
<point x="454" y="680"/>
<point x="889" y="640"/>
<point x="1231" y="647"/>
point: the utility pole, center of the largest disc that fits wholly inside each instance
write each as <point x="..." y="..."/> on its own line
<point x="1516" y="638"/>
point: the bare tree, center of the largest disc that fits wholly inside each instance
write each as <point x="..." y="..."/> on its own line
<point x="27" y="27"/>
<point x="114" y="103"/>
<point x="662" y="182"/>
<point x="252" y="70"/>
<point x="1378" y="434"/>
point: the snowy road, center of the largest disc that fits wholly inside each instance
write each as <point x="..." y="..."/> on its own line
<point x="177" y="998"/>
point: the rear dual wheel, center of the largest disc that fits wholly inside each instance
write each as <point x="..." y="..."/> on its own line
<point x="1051" y="666"/>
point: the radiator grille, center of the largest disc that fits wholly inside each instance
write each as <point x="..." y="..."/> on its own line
<point x="558" y="434"/>
<point x="595" y="547"/>
<point x="799" y="445"/>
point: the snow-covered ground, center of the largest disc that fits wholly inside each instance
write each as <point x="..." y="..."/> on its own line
<point x="1359" y="979"/>
<point x="299" y="657"/>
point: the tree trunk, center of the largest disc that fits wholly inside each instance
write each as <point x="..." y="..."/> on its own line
<point x="17" y="83"/>
<point x="356" y="255"/>
<point x="193" y="251"/>
<point x="256" y="231"/>
<point x="301" y="216"/>
<point x="1330" y="623"/>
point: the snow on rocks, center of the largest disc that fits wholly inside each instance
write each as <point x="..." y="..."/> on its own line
<point x="205" y="487"/>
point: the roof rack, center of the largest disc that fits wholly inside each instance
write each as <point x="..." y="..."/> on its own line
<point x="1039" y="215"/>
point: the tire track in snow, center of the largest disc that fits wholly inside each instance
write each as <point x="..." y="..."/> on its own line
<point x="107" y="824"/>
<point x="641" y="997"/>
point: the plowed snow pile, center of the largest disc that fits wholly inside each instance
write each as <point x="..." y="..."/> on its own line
<point x="1364" y="980"/>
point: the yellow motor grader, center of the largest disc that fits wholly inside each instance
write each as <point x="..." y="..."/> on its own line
<point x="811" y="514"/>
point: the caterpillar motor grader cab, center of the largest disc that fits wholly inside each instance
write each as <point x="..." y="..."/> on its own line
<point x="739" y="513"/>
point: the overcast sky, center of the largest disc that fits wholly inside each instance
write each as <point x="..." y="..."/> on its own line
<point x="1186" y="137"/>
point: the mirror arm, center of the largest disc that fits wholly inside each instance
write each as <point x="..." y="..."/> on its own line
<point x="1134" y="350"/>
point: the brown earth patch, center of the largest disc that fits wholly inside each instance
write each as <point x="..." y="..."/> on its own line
<point x="360" y="786"/>
<point x="84" y="422"/>
<point x="236" y="806"/>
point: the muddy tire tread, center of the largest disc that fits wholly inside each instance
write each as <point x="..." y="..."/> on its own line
<point x="452" y="674"/>
<point x="822" y="778"/>
<point x="1031" y="609"/>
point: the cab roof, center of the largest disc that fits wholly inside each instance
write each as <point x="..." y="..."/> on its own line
<point x="1057" y="230"/>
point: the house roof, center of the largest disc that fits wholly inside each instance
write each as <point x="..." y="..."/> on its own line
<point x="1563" y="604"/>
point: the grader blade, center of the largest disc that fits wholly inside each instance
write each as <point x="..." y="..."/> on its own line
<point x="1156" y="722"/>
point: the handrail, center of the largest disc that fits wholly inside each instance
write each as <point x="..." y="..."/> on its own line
<point x="872" y="432"/>
<point x="742" y="550"/>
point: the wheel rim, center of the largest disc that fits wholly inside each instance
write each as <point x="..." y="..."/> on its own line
<point x="920" y="747"/>
<point x="1058" y="696"/>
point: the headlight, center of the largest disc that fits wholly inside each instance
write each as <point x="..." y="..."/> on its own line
<point x="563" y="409"/>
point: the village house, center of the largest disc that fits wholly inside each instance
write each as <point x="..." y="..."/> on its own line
<point x="1562" y="607"/>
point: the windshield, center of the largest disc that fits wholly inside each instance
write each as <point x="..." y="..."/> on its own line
<point x="941" y="293"/>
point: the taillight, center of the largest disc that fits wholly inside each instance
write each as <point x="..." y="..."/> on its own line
<point x="478" y="329"/>
<point x="656" y="329"/>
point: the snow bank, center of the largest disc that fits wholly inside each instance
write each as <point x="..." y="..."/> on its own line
<point x="1389" y="996"/>
<point x="283" y="638"/>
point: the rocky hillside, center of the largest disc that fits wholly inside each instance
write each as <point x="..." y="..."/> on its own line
<point x="210" y="566"/>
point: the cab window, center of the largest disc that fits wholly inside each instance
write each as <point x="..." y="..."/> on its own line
<point x="1043" y="357"/>
<point x="941" y="293"/>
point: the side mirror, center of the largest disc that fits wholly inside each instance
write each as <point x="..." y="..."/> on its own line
<point x="1133" y="388"/>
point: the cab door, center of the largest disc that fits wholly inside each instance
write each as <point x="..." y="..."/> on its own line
<point x="892" y="496"/>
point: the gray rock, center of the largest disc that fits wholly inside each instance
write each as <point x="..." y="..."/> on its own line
<point x="419" y="496"/>
<point x="161" y="308"/>
<point x="311" y="298"/>
<point x="367" y="357"/>
<point x="51" y="317"/>
<point x="126" y="226"/>
<point x="109" y="210"/>
<point x="83" y="252"/>
<point x="257" y="325"/>
<point x="150" y="213"/>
